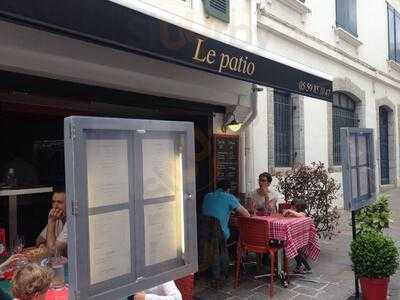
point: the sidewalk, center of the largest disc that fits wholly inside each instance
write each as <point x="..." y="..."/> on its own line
<point x="332" y="277"/>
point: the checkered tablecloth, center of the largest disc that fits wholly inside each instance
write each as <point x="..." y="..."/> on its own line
<point x="296" y="233"/>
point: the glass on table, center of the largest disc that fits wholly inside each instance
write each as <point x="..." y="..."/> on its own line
<point x="18" y="245"/>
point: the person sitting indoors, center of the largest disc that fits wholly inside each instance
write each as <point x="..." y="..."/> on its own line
<point x="31" y="282"/>
<point x="55" y="235"/>
<point x="302" y="266"/>
<point x="165" y="291"/>
<point x="219" y="205"/>
<point x="265" y="198"/>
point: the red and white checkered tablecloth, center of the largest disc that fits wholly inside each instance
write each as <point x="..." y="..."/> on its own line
<point x="296" y="233"/>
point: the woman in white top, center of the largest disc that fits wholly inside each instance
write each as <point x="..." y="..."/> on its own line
<point x="165" y="291"/>
<point x="265" y="197"/>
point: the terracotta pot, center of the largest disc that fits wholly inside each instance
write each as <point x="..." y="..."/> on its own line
<point x="374" y="289"/>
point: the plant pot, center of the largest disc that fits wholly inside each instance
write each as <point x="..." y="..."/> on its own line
<point x="373" y="288"/>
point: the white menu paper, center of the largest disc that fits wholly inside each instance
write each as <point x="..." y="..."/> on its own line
<point x="161" y="232"/>
<point x="107" y="171"/>
<point x="158" y="168"/>
<point x="109" y="240"/>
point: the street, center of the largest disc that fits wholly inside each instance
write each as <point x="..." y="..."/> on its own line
<point x="332" y="277"/>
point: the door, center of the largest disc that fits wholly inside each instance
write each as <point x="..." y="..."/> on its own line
<point x="384" y="144"/>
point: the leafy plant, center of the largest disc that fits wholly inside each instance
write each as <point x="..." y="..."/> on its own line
<point x="313" y="185"/>
<point x="375" y="216"/>
<point x="374" y="255"/>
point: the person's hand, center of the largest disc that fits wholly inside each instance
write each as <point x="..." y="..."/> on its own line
<point x="11" y="261"/>
<point x="55" y="214"/>
<point x="264" y="190"/>
<point x="139" y="296"/>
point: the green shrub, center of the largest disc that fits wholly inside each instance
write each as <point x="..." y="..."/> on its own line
<point x="374" y="255"/>
<point x="375" y="216"/>
<point x="313" y="184"/>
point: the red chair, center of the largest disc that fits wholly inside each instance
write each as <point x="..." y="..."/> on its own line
<point x="253" y="237"/>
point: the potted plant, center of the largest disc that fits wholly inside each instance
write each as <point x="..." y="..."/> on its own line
<point x="375" y="216"/>
<point x="375" y="258"/>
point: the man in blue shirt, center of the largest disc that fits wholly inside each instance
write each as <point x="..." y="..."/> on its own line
<point x="218" y="205"/>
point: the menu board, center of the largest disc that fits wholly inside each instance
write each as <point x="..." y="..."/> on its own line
<point x="226" y="161"/>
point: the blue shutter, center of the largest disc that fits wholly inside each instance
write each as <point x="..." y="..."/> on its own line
<point x="346" y="15"/>
<point x="218" y="9"/>
<point x="391" y="33"/>
<point x="397" y="35"/>
<point x="341" y="16"/>
<point x="283" y="109"/>
<point x="353" y="16"/>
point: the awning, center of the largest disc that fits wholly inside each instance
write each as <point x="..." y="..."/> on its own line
<point x="107" y="23"/>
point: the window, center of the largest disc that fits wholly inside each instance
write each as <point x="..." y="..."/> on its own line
<point x="346" y="15"/>
<point x="218" y="9"/>
<point x="283" y="112"/>
<point x="344" y="115"/>
<point x="394" y="34"/>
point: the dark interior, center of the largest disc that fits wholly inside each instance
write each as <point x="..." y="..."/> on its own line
<point x="32" y="110"/>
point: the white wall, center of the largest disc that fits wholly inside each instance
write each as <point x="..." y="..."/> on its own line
<point x="315" y="131"/>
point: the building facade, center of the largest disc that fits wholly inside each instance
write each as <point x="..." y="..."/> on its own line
<point x="333" y="39"/>
<point x="356" y="43"/>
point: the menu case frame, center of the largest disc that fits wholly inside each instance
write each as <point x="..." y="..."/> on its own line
<point x="78" y="211"/>
<point x="236" y="140"/>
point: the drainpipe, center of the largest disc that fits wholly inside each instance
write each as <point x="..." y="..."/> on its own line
<point x="247" y="147"/>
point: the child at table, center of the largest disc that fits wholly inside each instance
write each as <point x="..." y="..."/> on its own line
<point x="31" y="282"/>
<point x="301" y="260"/>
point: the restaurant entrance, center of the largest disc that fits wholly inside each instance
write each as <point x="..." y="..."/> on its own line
<point x="32" y="110"/>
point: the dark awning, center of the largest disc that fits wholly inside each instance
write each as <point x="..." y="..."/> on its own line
<point x="113" y="25"/>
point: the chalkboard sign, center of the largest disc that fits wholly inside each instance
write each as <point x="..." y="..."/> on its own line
<point x="226" y="161"/>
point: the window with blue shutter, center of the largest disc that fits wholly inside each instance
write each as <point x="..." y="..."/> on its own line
<point x="346" y="15"/>
<point x="283" y="114"/>
<point x="343" y="115"/>
<point x="218" y="9"/>
<point x="394" y="34"/>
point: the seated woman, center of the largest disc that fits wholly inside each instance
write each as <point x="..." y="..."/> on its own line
<point x="31" y="282"/>
<point x="165" y="291"/>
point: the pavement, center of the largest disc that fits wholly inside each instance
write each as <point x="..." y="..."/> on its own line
<point x="332" y="277"/>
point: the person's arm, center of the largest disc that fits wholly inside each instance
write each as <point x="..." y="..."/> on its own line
<point x="242" y="211"/>
<point x="52" y="244"/>
<point x="10" y="261"/>
<point x="165" y="291"/>
<point x="293" y="213"/>
<point x="40" y="240"/>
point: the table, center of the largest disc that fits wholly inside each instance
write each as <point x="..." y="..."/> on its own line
<point x="296" y="233"/>
<point x="12" y="207"/>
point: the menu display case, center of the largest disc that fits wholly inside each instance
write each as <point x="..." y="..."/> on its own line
<point x="130" y="204"/>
